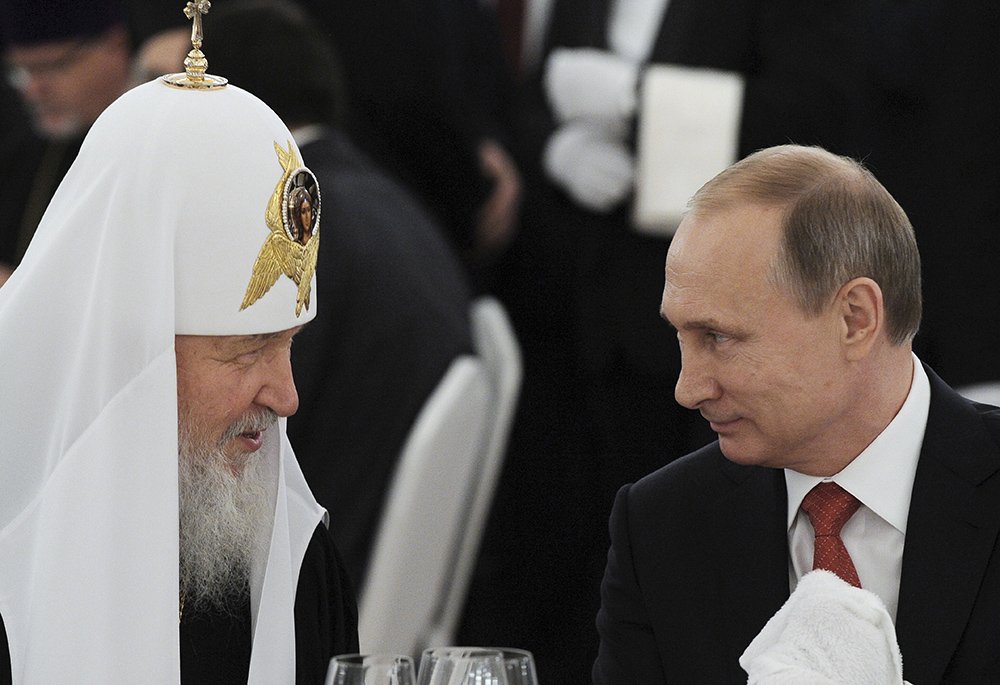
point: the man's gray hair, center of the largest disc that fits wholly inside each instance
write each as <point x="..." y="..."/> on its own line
<point x="840" y="223"/>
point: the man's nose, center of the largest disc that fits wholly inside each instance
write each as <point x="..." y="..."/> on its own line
<point x="278" y="391"/>
<point x="696" y="383"/>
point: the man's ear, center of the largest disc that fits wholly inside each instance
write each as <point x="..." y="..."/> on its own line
<point x="862" y="316"/>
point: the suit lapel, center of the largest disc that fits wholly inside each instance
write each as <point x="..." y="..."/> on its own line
<point x="753" y="561"/>
<point x="952" y="527"/>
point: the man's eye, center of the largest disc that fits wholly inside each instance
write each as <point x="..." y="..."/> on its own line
<point x="246" y="358"/>
<point x="718" y="338"/>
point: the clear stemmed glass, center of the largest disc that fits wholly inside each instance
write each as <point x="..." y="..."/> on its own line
<point x="462" y="666"/>
<point x="371" y="669"/>
<point x="520" y="665"/>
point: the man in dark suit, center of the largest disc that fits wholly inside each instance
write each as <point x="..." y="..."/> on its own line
<point x="794" y="287"/>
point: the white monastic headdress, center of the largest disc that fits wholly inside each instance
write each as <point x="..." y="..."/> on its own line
<point x="175" y="218"/>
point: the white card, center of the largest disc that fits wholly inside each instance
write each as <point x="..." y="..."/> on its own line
<point x="689" y="129"/>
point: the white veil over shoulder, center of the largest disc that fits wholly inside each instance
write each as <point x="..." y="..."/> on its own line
<point x="155" y="230"/>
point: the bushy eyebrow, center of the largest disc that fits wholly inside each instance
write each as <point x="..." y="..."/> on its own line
<point x="694" y="325"/>
<point x="234" y="344"/>
<point x="702" y="325"/>
<point x="260" y="337"/>
<point x="264" y="337"/>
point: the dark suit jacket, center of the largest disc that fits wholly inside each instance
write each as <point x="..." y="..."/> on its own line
<point x="699" y="561"/>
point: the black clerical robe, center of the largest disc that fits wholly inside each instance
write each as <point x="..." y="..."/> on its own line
<point x="216" y="649"/>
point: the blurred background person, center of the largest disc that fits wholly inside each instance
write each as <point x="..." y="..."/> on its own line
<point x="585" y="286"/>
<point x="65" y="62"/>
<point x="432" y="100"/>
<point x="397" y="297"/>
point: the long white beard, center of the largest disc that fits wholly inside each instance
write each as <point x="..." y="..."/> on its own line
<point x="224" y="520"/>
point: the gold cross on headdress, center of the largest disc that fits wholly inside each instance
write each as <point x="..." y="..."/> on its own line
<point x="195" y="65"/>
<point x="195" y="11"/>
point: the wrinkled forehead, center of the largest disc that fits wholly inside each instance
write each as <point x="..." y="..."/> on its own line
<point x="213" y="170"/>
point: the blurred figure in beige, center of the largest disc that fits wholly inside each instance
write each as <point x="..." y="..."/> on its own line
<point x="66" y="61"/>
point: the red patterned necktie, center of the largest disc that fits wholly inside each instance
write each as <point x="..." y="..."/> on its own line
<point x="829" y="507"/>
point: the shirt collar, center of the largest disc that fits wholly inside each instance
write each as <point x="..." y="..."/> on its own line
<point x="882" y="475"/>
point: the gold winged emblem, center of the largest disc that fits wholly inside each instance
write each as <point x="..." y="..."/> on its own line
<point x="292" y="246"/>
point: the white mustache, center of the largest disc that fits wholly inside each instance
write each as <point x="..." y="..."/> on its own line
<point x="255" y="423"/>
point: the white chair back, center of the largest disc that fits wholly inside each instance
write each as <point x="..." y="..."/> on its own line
<point x="496" y="344"/>
<point x="441" y="494"/>
<point x="424" y="512"/>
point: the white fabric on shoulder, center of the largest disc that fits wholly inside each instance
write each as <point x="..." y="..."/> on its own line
<point x="597" y="171"/>
<point x="591" y="84"/>
<point x="827" y="633"/>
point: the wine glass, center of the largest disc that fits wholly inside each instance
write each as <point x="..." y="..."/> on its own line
<point x="371" y="669"/>
<point x="520" y="665"/>
<point x="462" y="666"/>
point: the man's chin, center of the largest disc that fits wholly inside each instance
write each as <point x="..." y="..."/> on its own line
<point x="739" y="452"/>
<point x="224" y="516"/>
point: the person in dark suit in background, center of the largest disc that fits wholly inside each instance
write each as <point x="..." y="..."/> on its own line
<point x="431" y="101"/>
<point x="397" y="298"/>
<point x="794" y="286"/>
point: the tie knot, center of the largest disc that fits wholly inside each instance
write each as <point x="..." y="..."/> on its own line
<point x="829" y="506"/>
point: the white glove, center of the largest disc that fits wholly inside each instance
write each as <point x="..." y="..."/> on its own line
<point x="596" y="170"/>
<point x="827" y="633"/>
<point x="597" y="85"/>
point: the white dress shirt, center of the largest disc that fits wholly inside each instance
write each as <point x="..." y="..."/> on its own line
<point x="881" y="477"/>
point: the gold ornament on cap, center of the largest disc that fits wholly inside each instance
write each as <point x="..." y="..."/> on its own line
<point x="293" y="243"/>
<point x="195" y="65"/>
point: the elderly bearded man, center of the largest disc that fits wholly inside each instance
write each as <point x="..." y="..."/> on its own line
<point x="151" y="318"/>
<point x="794" y="286"/>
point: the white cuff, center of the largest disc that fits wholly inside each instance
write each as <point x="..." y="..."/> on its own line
<point x="597" y="171"/>
<point x="597" y="85"/>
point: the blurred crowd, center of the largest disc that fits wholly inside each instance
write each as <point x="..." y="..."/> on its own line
<point x="466" y="147"/>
